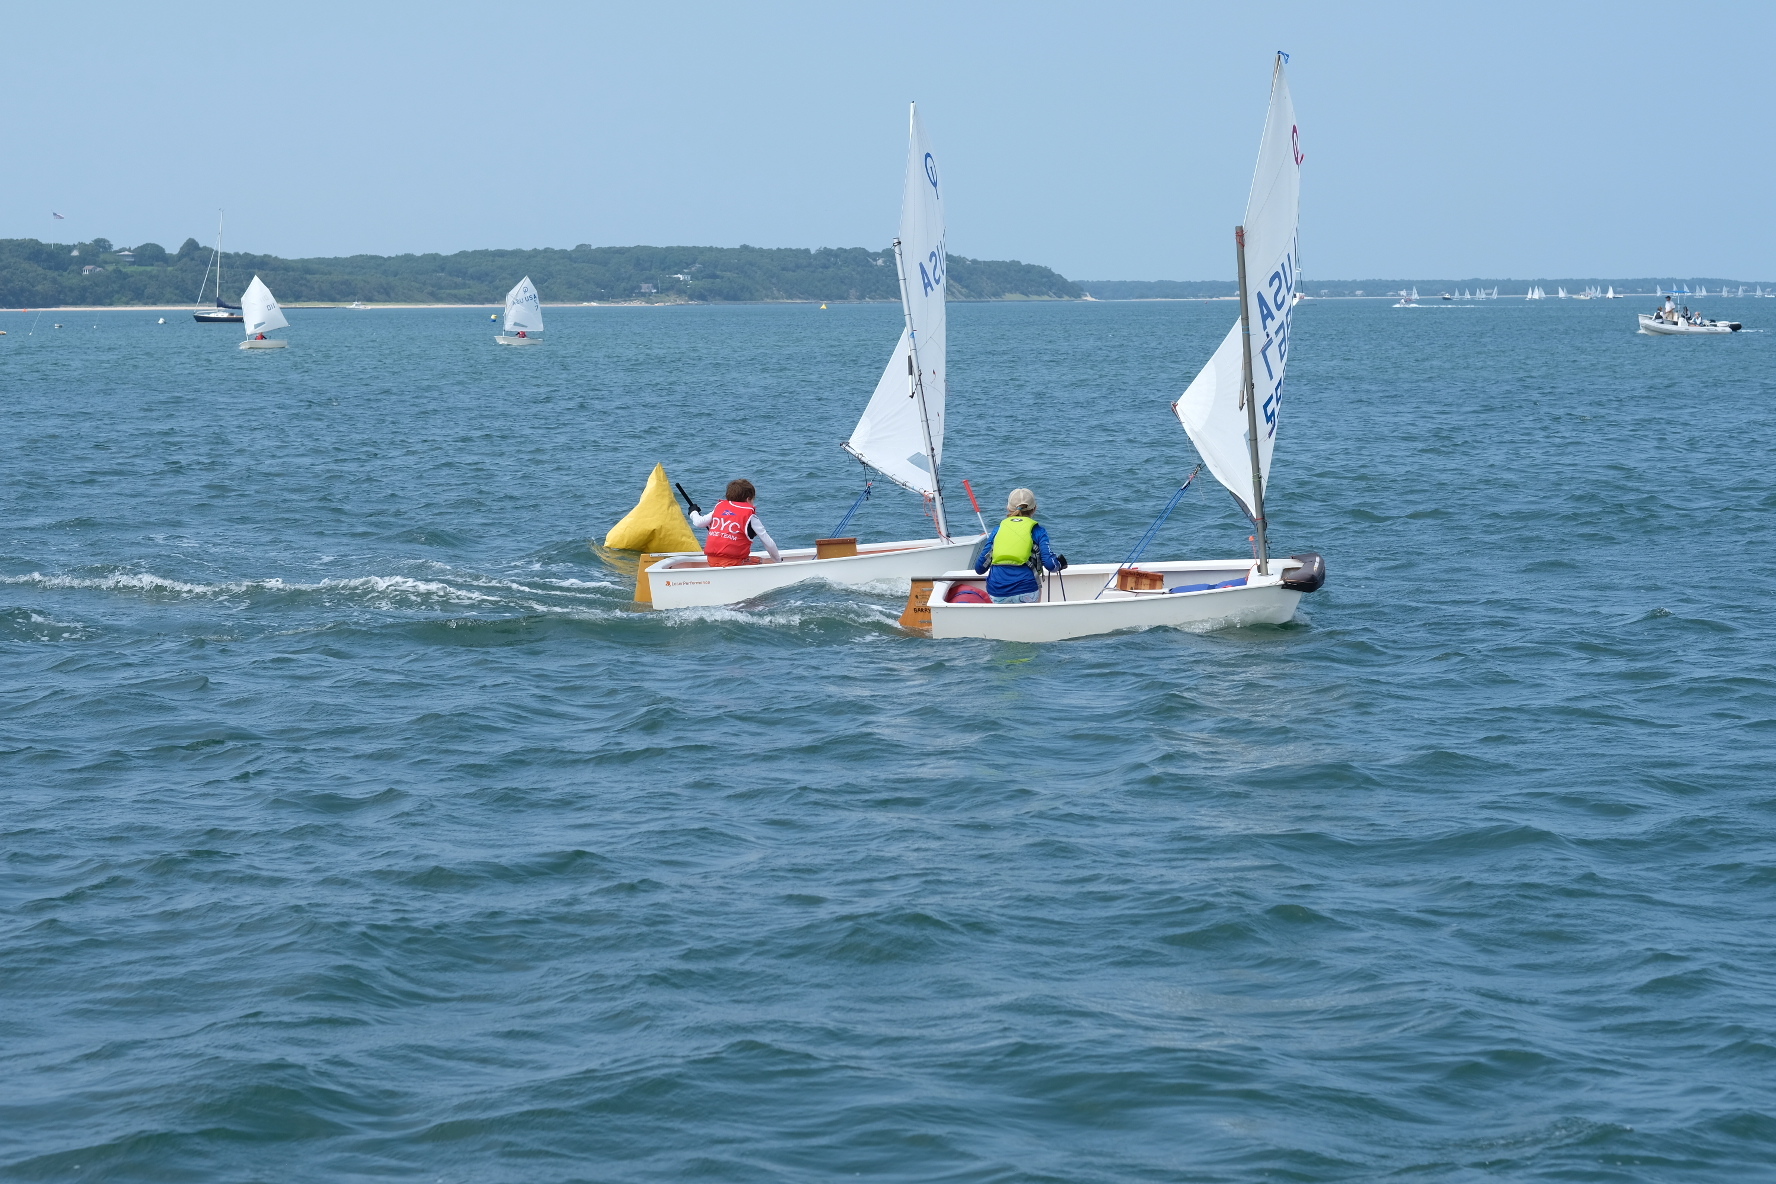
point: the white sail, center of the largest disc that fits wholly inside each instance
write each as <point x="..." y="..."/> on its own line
<point x="1213" y="408"/>
<point x="259" y="309"/>
<point x="524" y="312"/>
<point x="897" y="436"/>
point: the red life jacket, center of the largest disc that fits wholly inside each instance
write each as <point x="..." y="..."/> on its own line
<point x="727" y="530"/>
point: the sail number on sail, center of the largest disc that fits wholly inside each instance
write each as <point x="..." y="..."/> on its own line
<point x="934" y="278"/>
<point x="1274" y="316"/>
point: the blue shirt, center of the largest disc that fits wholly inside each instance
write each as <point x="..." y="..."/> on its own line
<point x="1014" y="579"/>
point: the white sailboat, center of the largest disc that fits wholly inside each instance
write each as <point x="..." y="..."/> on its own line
<point x="900" y="435"/>
<point x="524" y="315"/>
<point x="1230" y="411"/>
<point x="261" y="315"/>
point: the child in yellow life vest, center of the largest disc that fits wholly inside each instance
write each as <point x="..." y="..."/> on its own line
<point x="1010" y="553"/>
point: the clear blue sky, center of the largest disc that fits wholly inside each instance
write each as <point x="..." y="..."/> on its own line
<point x="1110" y="141"/>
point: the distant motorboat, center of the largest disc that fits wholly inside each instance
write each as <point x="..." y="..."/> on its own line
<point x="262" y="316"/>
<point x="524" y="315"/>
<point x="1408" y="300"/>
<point x="357" y="304"/>
<point x="1669" y="322"/>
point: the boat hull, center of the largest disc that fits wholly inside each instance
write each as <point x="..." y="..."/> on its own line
<point x="1658" y="328"/>
<point x="1083" y="602"/>
<point x="507" y="339"/>
<point x="216" y="318"/>
<point x="685" y="580"/>
<point x="268" y="343"/>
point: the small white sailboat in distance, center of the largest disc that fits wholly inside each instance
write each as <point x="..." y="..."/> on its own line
<point x="524" y="315"/>
<point x="261" y="315"/>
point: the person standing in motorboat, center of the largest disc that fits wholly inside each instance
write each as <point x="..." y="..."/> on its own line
<point x="732" y="526"/>
<point x="1668" y="311"/>
<point x="1009" y="555"/>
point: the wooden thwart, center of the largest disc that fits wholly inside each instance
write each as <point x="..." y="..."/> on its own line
<point x="834" y="548"/>
<point x="1133" y="579"/>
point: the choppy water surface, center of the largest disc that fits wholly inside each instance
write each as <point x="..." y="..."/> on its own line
<point x="356" y="827"/>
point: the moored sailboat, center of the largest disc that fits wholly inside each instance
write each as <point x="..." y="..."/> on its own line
<point x="259" y="309"/>
<point x="1230" y="412"/>
<point x="220" y="312"/>
<point x="899" y="436"/>
<point x="524" y="315"/>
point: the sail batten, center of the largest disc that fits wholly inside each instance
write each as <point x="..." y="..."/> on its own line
<point x="524" y="309"/>
<point x="259" y="309"/>
<point x="1212" y="409"/>
<point x="902" y="428"/>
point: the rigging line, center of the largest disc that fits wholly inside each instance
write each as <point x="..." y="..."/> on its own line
<point x="855" y="506"/>
<point x="1146" y="541"/>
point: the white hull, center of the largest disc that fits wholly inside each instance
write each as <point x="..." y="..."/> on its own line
<point x="1071" y="605"/>
<point x="686" y="580"/>
<point x="268" y="343"/>
<point x="506" y="339"/>
<point x="1660" y="328"/>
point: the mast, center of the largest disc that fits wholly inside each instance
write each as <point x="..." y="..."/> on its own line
<point x="218" y="258"/>
<point x="918" y="392"/>
<point x="1250" y="402"/>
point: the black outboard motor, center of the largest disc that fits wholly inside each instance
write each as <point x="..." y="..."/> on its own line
<point x="1309" y="576"/>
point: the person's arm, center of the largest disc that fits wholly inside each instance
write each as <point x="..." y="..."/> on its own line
<point x="1039" y="536"/>
<point x="701" y="520"/>
<point x="986" y="551"/>
<point x="756" y="529"/>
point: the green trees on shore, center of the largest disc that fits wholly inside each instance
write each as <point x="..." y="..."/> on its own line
<point x="36" y="274"/>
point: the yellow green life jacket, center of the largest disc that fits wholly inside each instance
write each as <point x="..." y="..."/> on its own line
<point x="1012" y="544"/>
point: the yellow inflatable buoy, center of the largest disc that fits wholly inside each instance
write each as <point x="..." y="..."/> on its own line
<point x="656" y="523"/>
<point x="823" y="306"/>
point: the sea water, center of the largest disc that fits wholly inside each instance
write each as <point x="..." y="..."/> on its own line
<point x="358" y="827"/>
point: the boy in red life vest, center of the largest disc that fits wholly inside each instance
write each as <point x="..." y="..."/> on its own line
<point x="732" y="526"/>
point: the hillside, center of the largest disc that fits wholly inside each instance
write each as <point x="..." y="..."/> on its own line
<point x="36" y="274"/>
